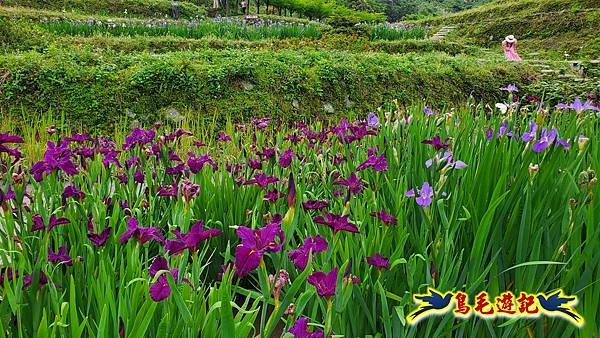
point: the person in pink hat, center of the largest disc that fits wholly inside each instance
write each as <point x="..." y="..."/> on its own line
<point x="510" y="48"/>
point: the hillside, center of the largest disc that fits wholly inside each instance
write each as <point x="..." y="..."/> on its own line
<point x="552" y="27"/>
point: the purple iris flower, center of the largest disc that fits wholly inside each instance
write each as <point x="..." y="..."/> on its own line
<point x="579" y="106"/>
<point x="425" y="195"/>
<point x="300" y="329"/>
<point x="273" y="195"/>
<point x="142" y="235"/>
<point x="223" y="137"/>
<point x="190" y="240"/>
<point x="358" y="133"/>
<point x="72" y="191"/>
<point x="161" y="289"/>
<point x="254" y="245"/>
<point x="354" y="184"/>
<point x="55" y="158"/>
<point x="168" y="191"/>
<point x="78" y="138"/>
<point x="382" y="215"/>
<point x="266" y="153"/>
<point x="179" y="132"/>
<point x="62" y="256"/>
<point x="564" y="143"/>
<point x="6" y="138"/>
<point x="138" y="137"/>
<point x="325" y="283"/>
<point x="531" y="134"/>
<point x="339" y="159"/>
<point x="294" y="138"/>
<point x="110" y="156"/>
<point x="379" y="261"/>
<point x="138" y="176"/>
<point x="262" y="180"/>
<point x="176" y="170"/>
<point x="489" y="135"/>
<point x="27" y="280"/>
<point x="510" y="88"/>
<point x="85" y="152"/>
<point x="189" y="190"/>
<point x="545" y="140"/>
<point x="196" y="163"/>
<point x="447" y="158"/>
<point x="255" y="163"/>
<point x="300" y="256"/>
<point x="373" y="120"/>
<point x="99" y="239"/>
<point x="428" y="111"/>
<point x="285" y="159"/>
<point x="437" y="143"/>
<point x="38" y="222"/>
<point x="336" y="222"/>
<point x="501" y="130"/>
<point x="378" y="163"/>
<point x="122" y="178"/>
<point x="7" y="273"/>
<point x="261" y="123"/>
<point x="315" y="204"/>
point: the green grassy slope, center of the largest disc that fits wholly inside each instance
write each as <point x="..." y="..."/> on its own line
<point x="99" y="88"/>
<point x="553" y="27"/>
<point x="136" y="8"/>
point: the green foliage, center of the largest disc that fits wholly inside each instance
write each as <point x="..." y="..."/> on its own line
<point x="493" y="226"/>
<point x="100" y="88"/>
<point x="345" y="17"/>
<point x="411" y="9"/>
<point x="226" y="29"/>
<point x="141" y="8"/>
<point x="551" y="27"/>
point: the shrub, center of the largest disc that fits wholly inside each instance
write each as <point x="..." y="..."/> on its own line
<point x="148" y="8"/>
<point x="98" y="88"/>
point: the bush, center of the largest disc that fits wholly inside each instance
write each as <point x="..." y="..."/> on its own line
<point x="97" y="89"/>
<point x="147" y="8"/>
<point x="20" y="35"/>
<point x="345" y="17"/>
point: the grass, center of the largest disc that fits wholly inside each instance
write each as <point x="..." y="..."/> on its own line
<point x="125" y="8"/>
<point x="499" y="226"/>
<point x="549" y="27"/>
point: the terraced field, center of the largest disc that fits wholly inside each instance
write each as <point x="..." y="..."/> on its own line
<point x="169" y="172"/>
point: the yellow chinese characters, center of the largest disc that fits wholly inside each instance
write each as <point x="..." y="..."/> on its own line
<point x="506" y="304"/>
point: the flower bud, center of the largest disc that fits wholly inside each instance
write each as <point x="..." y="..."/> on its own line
<point x="18" y="178"/>
<point x="290" y="310"/>
<point x="533" y="169"/>
<point x="582" y="141"/>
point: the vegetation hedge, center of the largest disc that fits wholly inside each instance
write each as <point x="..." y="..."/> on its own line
<point x="22" y="35"/>
<point x="505" y="9"/>
<point x="98" y="89"/>
<point x="561" y="26"/>
<point x="142" y="8"/>
<point x="582" y="24"/>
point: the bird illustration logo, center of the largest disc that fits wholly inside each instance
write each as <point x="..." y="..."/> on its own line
<point x="433" y="302"/>
<point x="559" y="305"/>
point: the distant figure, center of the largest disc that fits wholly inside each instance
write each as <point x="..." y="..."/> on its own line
<point x="244" y="5"/>
<point x="510" y="48"/>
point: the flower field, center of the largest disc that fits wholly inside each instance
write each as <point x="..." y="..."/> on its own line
<point x="226" y="28"/>
<point x="310" y="229"/>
